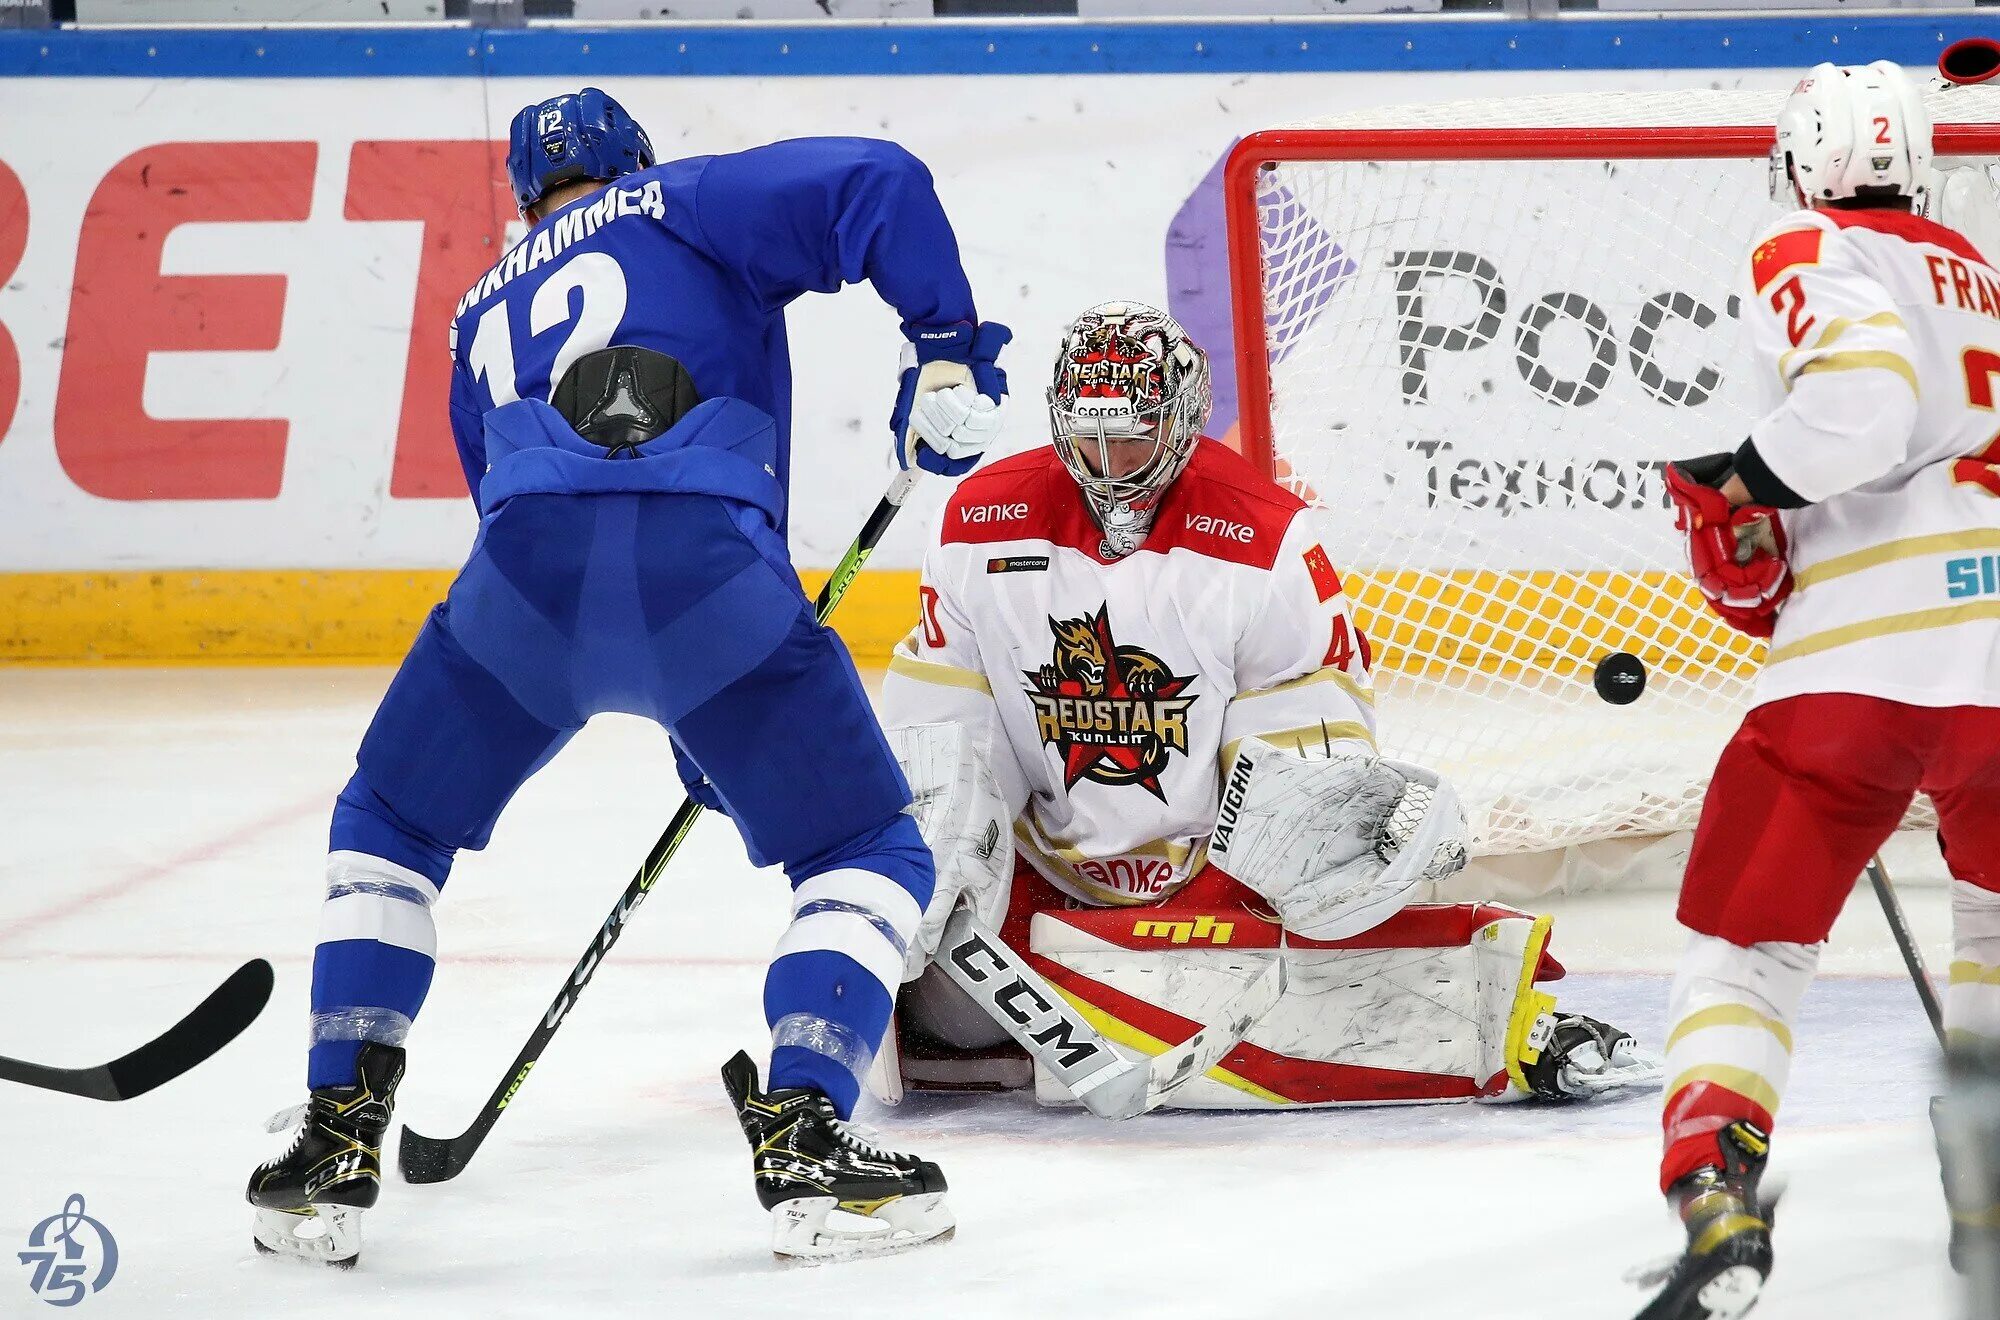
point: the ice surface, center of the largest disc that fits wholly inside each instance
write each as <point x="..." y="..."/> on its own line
<point x="157" y="827"/>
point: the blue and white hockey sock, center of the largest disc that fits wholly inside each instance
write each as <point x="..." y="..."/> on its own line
<point x="377" y="952"/>
<point x="834" y="975"/>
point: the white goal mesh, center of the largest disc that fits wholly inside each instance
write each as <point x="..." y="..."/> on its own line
<point x="1474" y="332"/>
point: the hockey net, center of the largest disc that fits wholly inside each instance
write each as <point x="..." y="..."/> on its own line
<point x="1473" y="332"/>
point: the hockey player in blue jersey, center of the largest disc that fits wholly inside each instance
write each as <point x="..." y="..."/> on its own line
<point x="621" y="401"/>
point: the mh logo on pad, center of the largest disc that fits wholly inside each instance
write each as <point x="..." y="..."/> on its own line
<point x="1202" y="929"/>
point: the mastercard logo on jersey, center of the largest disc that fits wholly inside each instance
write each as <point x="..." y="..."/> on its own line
<point x="1115" y="714"/>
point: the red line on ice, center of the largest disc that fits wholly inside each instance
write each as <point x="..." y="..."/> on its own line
<point x="135" y="880"/>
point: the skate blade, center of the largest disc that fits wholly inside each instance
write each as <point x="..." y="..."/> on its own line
<point x="327" y="1235"/>
<point x="814" y="1230"/>
<point x="1652" y="1274"/>
<point x="1730" y="1294"/>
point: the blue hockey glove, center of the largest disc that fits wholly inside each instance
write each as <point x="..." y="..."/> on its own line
<point x="948" y="403"/>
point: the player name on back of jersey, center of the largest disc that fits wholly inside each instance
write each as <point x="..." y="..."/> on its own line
<point x="1956" y="283"/>
<point x="552" y="239"/>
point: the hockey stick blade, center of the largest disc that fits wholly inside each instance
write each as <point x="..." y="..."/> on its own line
<point x="1208" y="1047"/>
<point x="217" y="1020"/>
<point x="435" y="1159"/>
<point x="425" y="1159"/>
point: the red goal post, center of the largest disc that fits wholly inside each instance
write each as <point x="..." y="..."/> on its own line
<point x="1472" y="332"/>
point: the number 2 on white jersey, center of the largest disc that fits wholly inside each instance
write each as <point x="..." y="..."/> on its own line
<point x="1982" y="469"/>
<point x="601" y="281"/>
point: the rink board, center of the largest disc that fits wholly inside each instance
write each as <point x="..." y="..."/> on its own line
<point x="307" y="616"/>
<point x="227" y="259"/>
<point x="1423" y="624"/>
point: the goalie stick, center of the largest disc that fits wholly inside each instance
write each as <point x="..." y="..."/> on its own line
<point x="1043" y="1023"/>
<point x="216" y="1021"/>
<point x="435" y="1159"/>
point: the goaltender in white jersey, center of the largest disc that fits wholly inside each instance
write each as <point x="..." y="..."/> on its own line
<point x="1116" y="691"/>
<point x="1142" y="643"/>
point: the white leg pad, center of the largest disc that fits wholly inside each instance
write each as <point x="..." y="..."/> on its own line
<point x="1972" y="999"/>
<point x="1438" y="1004"/>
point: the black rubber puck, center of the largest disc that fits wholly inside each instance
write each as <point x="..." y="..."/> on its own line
<point x="1620" y="678"/>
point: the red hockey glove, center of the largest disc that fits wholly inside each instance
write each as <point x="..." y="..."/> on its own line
<point x="1737" y="555"/>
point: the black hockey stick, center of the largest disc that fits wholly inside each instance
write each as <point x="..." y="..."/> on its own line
<point x="432" y="1159"/>
<point x="216" y="1021"/>
<point x="1913" y="957"/>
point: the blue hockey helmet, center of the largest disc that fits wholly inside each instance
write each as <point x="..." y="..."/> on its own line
<point x="578" y="135"/>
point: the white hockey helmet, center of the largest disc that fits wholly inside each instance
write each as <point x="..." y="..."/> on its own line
<point x="1127" y="372"/>
<point x="1852" y="131"/>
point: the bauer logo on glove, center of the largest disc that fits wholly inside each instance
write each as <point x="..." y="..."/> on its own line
<point x="948" y="400"/>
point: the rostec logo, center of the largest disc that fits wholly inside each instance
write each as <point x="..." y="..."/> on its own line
<point x="1222" y="527"/>
<point x="985" y="513"/>
<point x="1201" y="929"/>
<point x="1428" y="280"/>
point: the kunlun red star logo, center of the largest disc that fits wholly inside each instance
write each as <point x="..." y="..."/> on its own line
<point x="1113" y="712"/>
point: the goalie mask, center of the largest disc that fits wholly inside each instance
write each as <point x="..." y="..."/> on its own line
<point x="1128" y="402"/>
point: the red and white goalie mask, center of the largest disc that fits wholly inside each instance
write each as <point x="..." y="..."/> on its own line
<point x="1128" y="402"/>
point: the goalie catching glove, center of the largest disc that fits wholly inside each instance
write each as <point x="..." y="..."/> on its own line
<point x="1736" y="555"/>
<point x="964" y="820"/>
<point x="1335" y="841"/>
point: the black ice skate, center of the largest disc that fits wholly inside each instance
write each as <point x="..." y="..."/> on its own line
<point x="831" y="1194"/>
<point x="309" y="1200"/>
<point x="1728" y="1255"/>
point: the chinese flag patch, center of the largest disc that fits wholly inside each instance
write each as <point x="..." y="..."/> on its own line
<point x="1325" y="581"/>
<point x="1780" y="252"/>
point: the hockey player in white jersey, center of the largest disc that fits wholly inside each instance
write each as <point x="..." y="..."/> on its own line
<point x="1858" y="527"/>
<point x="1139" y="722"/>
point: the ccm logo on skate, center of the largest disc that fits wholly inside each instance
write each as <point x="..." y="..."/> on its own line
<point x="1974" y="575"/>
<point x="1206" y="929"/>
<point x="1222" y="527"/>
<point x="986" y="513"/>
